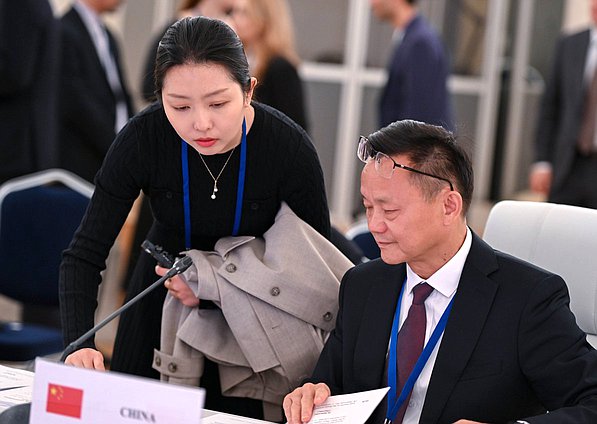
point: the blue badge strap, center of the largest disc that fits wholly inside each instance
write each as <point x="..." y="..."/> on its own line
<point x="184" y="157"/>
<point x="241" y="181"/>
<point x="420" y="364"/>
<point x="184" y="153"/>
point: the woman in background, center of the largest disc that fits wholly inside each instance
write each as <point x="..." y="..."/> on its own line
<point x="266" y="30"/>
<point x="219" y="9"/>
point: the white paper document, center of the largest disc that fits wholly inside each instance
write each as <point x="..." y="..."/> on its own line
<point x="11" y="377"/>
<point x="15" y="387"/>
<point x="354" y="408"/>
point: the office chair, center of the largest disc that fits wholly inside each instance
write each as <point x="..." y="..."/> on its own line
<point x="39" y="214"/>
<point x="559" y="238"/>
<point x="359" y="233"/>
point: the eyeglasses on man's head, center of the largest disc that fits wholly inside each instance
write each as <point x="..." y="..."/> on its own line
<point x="384" y="164"/>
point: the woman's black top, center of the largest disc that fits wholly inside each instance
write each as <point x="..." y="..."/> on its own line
<point x="281" y="165"/>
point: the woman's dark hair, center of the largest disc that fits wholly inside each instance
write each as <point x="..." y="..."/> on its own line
<point x="199" y="40"/>
<point x="430" y="149"/>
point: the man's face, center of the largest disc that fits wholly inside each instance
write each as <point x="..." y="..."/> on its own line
<point x="406" y="227"/>
<point x="105" y="6"/>
<point x="382" y="9"/>
<point x="594" y="11"/>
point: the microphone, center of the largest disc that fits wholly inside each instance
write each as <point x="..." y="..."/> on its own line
<point x="179" y="266"/>
<point x="19" y="414"/>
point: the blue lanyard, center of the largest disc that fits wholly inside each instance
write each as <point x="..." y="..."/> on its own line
<point x="410" y="382"/>
<point x="184" y="157"/>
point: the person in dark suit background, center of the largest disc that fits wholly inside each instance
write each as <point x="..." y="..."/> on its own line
<point x="29" y="58"/>
<point x="418" y="68"/>
<point x="94" y="98"/>
<point x="511" y="349"/>
<point x="565" y="171"/>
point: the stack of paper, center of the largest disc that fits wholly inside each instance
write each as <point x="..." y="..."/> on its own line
<point x="16" y="387"/>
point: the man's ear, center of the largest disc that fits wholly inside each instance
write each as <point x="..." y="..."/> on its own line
<point x="453" y="205"/>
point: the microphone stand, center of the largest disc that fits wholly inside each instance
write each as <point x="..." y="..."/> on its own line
<point x="179" y="266"/>
<point x="19" y="414"/>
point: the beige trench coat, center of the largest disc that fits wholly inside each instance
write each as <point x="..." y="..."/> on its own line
<point x="277" y="300"/>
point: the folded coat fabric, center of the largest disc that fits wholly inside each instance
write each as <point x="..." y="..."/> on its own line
<point x="277" y="301"/>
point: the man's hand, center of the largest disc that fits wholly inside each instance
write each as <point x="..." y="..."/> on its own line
<point x="540" y="181"/>
<point x="467" y="422"/>
<point x="86" y="358"/>
<point x="298" y="405"/>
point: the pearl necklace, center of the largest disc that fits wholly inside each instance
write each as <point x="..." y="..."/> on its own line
<point x="215" y="190"/>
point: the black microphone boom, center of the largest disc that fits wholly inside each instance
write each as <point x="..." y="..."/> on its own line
<point x="179" y="266"/>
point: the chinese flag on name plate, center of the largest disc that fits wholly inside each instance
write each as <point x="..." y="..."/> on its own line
<point x="64" y="400"/>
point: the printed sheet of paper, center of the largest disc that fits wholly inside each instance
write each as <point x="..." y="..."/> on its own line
<point x="354" y="408"/>
<point x="16" y="386"/>
<point x="12" y="377"/>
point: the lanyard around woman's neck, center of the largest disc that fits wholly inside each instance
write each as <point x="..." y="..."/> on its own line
<point x="184" y="157"/>
<point x="419" y="365"/>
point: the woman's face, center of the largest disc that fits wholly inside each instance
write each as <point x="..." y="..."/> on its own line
<point x="205" y="106"/>
<point x="245" y="22"/>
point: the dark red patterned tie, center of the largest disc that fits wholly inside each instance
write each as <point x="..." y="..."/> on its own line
<point x="410" y="341"/>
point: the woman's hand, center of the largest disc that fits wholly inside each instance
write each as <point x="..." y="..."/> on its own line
<point x="86" y="358"/>
<point x="178" y="288"/>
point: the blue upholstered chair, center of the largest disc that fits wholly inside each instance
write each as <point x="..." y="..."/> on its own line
<point x="39" y="214"/>
<point x="359" y="233"/>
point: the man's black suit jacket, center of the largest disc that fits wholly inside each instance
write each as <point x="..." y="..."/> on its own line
<point x="511" y="348"/>
<point x="87" y="103"/>
<point x="562" y="106"/>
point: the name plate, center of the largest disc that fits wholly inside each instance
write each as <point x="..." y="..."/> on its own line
<point x="65" y="394"/>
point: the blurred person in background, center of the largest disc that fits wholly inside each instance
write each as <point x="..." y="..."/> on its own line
<point x="29" y="58"/>
<point x="94" y="99"/>
<point x="219" y="9"/>
<point x="565" y="170"/>
<point x="266" y="30"/>
<point x="418" y="69"/>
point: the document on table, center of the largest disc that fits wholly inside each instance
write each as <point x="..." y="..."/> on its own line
<point x="15" y="387"/>
<point x="354" y="408"/>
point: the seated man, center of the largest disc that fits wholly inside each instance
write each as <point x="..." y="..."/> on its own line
<point x="501" y="344"/>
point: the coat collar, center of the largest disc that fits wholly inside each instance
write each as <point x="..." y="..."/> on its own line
<point x="374" y="332"/>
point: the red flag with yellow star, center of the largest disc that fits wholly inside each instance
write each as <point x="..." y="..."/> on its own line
<point x="64" y="400"/>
